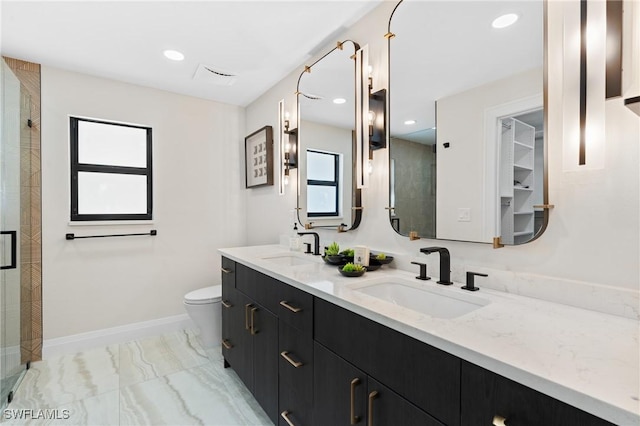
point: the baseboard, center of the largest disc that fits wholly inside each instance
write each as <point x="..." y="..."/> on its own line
<point x="109" y="336"/>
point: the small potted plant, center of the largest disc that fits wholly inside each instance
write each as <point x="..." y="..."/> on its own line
<point x="352" y="270"/>
<point x="332" y="254"/>
<point x="382" y="258"/>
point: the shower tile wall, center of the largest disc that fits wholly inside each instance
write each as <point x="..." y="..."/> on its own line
<point x="31" y="213"/>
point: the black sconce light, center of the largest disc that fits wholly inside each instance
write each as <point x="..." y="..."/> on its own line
<point x="290" y="149"/>
<point x="377" y="125"/>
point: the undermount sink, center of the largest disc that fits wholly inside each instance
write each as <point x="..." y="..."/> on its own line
<point x="290" y="260"/>
<point x="436" y="302"/>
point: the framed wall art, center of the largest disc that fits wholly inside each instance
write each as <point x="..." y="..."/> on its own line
<point x="258" y="147"/>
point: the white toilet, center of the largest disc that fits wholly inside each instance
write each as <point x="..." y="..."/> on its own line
<point x="203" y="306"/>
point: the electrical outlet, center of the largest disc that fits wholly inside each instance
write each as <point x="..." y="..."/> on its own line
<point x="464" y="214"/>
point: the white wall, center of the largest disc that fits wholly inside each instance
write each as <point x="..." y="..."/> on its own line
<point x="199" y="201"/>
<point x="462" y="121"/>
<point x="593" y="234"/>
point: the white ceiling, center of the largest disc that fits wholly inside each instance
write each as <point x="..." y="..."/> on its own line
<point x="261" y="41"/>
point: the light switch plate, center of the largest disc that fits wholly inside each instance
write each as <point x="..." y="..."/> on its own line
<point x="464" y="214"/>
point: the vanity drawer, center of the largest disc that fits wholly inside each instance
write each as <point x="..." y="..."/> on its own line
<point x="295" y="370"/>
<point x="426" y="376"/>
<point x="295" y="307"/>
<point x="228" y="270"/>
<point x="258" y="286"/>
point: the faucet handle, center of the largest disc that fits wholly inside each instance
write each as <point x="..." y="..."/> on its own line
<point x="308" y="250"/>
<point x="423" y="271"/>
<point x="470" y="281"/>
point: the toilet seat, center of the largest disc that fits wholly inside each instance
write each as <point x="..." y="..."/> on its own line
<point x="204" y="295"/>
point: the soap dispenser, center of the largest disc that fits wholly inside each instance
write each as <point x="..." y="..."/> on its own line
<point x="294" y="239"/>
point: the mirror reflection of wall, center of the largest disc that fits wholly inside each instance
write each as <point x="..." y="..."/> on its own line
<point x="453" y="77"/>
<point x="326" y="122"/>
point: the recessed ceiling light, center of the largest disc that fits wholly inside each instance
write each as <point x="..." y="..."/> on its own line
<point x="174" y="55"/>
<point x="339" y="101"/>
<point x="410" y="122"/>
<point x="433" y="128"/>
<point x="504" y="20"/>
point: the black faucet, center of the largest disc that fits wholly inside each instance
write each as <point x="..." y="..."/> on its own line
<point x="316" y="241"/>
<point x="445" y="263"/>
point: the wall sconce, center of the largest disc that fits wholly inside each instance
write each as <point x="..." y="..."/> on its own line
<point x="377" y="122"/>
<point x="288" y="147"/>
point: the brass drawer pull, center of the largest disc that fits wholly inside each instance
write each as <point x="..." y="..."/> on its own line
<point x="246" y="315"/>
<point x="226" y="271"/>
<point x="373" y="395"/>
<point x="285" y="355"/>
<point x="253" y="327"/>
<point x="498" y="420"/>
<point x="226" y="344"/>
<point x="285" y="416"/>
<point x="354" y="419"/>
<point x="289" y="307"/>
<point x="226" y="304"/>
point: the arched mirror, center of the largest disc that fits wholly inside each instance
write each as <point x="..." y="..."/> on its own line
<point x="327" y="194"/>
<point x="466" y="116"/>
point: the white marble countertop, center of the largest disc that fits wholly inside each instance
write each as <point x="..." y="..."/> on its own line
<point x="587" y="359"/>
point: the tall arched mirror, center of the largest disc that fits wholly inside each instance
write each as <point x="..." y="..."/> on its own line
<point x="466" y="117"/>
<point x="327" y="194"/>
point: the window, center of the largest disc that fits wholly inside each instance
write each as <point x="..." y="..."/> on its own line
<point x="322" y="183"/>
<point x="110" y="171"/>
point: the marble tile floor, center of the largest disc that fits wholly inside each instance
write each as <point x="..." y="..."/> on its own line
<point x="164" y="380"/>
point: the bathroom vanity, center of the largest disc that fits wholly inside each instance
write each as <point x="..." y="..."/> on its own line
<point x="317" y="348"/>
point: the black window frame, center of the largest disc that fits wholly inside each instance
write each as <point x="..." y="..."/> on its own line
<point x="77" y="167"/>
<point x="334" y="183"/>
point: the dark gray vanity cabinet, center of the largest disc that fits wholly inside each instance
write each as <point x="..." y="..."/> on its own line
<point x="423" y="375"/>
<point x="308" y="361"/>
<point x="486" y="395"/>
<point x="250" y="336"/>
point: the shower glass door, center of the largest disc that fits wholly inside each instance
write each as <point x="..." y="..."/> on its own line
<point x="14" y="134"/>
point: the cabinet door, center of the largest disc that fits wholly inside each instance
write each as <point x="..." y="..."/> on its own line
<point x="424" y="375"/>
<point x="339" y="390"/>
<point x="486" y="394"/>
<point x="385" y="407"/>
<point x="237" y="346"/>
<point x="295" y="387"/>
<point x="263" y="330"/>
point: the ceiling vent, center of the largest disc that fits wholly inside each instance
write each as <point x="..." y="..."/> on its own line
<point x="214" y="76"/>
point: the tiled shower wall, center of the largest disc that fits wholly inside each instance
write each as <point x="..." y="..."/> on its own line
<point x="31" y="212"/>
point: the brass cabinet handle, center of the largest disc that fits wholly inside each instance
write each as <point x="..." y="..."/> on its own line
<point x="226" y="344"/>
<point x="285" y="355"/>
<point x="226" y="304"/>
<point x="246" y="315"/>
<point x="289" y="307"/>
<point x="285" y="416"/>
<point x="373" y="395"/>
<point x="354" y="419"/>
<point x="498" y="420"/>
<point x="253" y="327"/>
<point x="226" y="271"/>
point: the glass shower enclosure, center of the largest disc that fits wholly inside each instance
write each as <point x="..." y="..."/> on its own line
<point x="15" y="119"/>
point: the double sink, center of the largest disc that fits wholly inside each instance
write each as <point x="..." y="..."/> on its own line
<point x="423" y="297"/>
